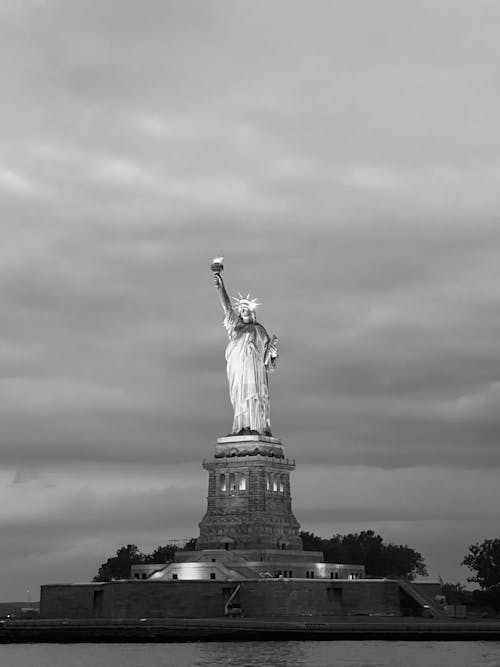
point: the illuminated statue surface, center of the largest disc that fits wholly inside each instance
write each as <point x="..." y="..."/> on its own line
<point x="250" y="355"/>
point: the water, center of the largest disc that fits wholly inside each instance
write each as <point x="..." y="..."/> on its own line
<point x="255" y="654"/>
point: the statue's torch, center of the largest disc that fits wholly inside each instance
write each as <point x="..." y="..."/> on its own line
<point x="217" y="266"/>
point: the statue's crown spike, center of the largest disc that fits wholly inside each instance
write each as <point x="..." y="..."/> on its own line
<point x="245" y="302"/>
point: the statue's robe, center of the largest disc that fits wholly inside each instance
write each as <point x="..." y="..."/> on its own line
<point x="247" y="374"/>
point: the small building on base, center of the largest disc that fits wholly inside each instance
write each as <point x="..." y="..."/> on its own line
<point x="238" y="564"/>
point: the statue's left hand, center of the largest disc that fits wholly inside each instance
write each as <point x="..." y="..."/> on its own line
<point x="273" y="350"/>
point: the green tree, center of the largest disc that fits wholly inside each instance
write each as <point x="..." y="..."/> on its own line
<point x="312" y="542"/>
<point x="366" y="548"/>
<point x="484" y="559"/>
<point x="403" y="562"/>
<point x="118" y="567"/>
<point x="190" y="545"/>
<point x="165" y="554"/>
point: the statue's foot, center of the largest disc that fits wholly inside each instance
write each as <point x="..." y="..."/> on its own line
<point x="251" y="431"/>
<point x="247" y="431"/>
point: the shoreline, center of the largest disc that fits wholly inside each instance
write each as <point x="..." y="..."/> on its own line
<point x="247" y="629"/>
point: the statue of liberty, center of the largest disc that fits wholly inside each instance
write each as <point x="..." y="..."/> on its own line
<point x="250" y="355"/>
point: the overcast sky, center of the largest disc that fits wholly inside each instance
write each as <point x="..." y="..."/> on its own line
<point x="344" y="156"/>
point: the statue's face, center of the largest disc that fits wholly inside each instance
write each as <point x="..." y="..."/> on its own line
<point x="246" y="314"/>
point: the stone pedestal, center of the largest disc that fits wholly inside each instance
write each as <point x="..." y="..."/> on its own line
<point x="249" y="502"/>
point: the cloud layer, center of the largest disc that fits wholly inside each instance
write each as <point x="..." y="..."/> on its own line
<point x="345" y="159"/>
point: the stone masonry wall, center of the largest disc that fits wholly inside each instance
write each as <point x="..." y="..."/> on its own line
<point x="206" y="599"/>
<point x="259" y="515"/>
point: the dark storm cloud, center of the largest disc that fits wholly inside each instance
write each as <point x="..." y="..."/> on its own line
<point x="72" y="531"/>
<point x="344" y="158"/>
<point x="100" y="514"/>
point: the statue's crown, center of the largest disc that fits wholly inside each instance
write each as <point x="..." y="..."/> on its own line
<point x="245" y="302"/>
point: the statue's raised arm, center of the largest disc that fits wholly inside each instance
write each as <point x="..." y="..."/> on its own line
<point x="250" y="354"/>
<point x="223" y="295"/>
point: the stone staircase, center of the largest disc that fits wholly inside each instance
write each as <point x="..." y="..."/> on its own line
<point x="424" y="601"/>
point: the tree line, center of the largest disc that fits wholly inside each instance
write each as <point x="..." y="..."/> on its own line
<point x="380" y="559"/>
<point x="483" y="560"/>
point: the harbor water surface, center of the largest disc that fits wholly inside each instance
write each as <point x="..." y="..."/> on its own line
<point x="255" y="654"/>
